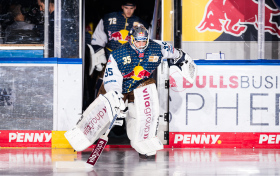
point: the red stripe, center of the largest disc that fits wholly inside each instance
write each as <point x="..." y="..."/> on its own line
<point x="25" y="138"/>
<point x="223" y="140"/>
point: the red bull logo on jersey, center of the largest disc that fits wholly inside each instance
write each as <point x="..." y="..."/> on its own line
<point x="137" y="73"/>
<point x="120" y="36"/>
<point x="234" y="16"/>
<point x="115" y="36"/>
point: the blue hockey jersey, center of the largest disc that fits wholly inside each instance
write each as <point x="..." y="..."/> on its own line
<point x="125" y="71"/>
<point x="112" y="31"/>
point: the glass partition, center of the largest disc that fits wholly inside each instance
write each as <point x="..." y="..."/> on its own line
<point x="20" y="22"/>
<point x="51" y="26"/>
<point x="67" y="31"/>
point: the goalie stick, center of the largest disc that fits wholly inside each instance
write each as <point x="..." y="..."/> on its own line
<point x="99" y="147"/>
<point x="95" y="154"/>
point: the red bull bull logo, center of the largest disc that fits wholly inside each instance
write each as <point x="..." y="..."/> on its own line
<point x="120" y="36"/>
<point x="233" y="16"/>
<point x="137" y="73"/>
<point x="141" y="34"/>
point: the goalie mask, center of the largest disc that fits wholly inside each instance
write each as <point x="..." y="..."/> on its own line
<point x="139" y="39"/>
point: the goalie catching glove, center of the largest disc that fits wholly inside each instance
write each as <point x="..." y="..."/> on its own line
<point x="97" y="58"/>
<point x="95" y="120"/>
<point x="184" y="65"/>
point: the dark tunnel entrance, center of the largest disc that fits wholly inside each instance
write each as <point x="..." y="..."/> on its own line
<point x="94" y="11"/>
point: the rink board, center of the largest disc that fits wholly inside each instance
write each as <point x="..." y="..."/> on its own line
<point x="40" y="93"/>
<point x="231" y="104"/>
<point x="56" y="139"/>
<point x="25" y="138"/>
<point x="224" y="140"/>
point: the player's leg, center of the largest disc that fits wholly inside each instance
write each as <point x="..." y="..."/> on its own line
<point x="95" y="120"/>
<point x="142" y="121"/>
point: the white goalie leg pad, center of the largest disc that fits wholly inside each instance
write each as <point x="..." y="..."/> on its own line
<point x="148" y="147"/>
<point x="142" y="122"/>
<point x="94" y="122"/>
<point x="131" y="121"/>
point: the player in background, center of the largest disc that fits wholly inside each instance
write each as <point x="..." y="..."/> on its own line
<point x="129" y="72"/>
<point x="110" y="33"/>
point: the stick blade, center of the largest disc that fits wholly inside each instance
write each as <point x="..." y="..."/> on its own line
<point x="72" y="165"/>
<point x="94" y="156"/>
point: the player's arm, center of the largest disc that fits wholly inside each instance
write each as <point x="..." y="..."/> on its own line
<point x="167" y="50"/>
<point x="179" y="60"/>
<point x="112" y="78"/>
<point x="99" y="36"/>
